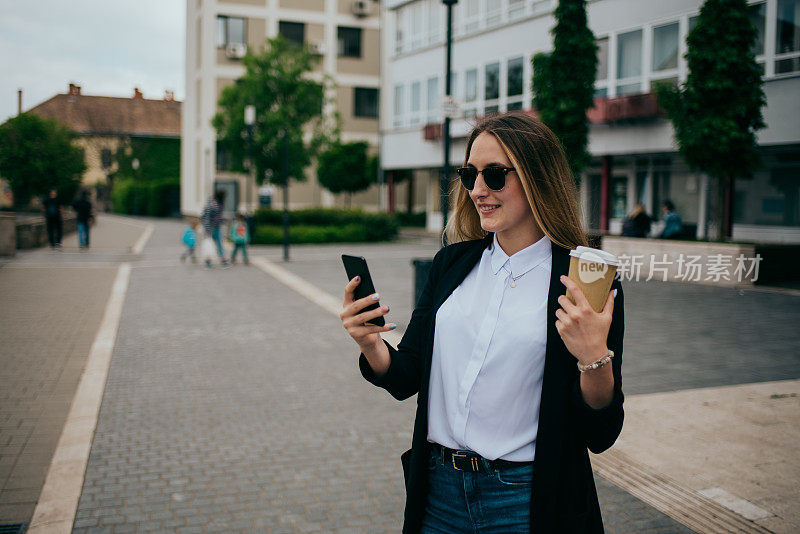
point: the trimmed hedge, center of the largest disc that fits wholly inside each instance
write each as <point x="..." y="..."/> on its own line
<point x="273" y="234"/>
<point x="154" y="198"/>
<point x="342" y="223"/>
<point x="418" y="219"/>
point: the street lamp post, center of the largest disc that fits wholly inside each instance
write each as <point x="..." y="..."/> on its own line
<point x="249" y="122"/>
<point x="445" y="181"/>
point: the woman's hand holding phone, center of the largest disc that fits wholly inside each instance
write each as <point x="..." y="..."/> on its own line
<point x="366" y="335"/>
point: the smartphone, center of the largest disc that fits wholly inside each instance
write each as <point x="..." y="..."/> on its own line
<point x="357" y="266"/>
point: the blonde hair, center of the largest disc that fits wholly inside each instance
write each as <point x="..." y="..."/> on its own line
<point x="536" y="154"/>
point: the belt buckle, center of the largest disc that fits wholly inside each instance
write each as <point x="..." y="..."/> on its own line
<point x="473" y="462"/>
<point x="453" y="459"/>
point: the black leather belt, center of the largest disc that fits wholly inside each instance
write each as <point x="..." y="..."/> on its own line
<point x="471" y="461"/>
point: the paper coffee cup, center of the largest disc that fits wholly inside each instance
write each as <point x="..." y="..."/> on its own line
<point x="593" y="270"/>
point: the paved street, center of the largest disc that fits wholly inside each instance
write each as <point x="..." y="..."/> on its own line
<point x="233" y="403"/>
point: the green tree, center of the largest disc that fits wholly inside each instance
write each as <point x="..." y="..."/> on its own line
<point x="37" y="155"/>
<point x="346" y="168"/>
<point x="563" y="81"/>
<point x="287" y="102"/>
<point x="718" y="110"/>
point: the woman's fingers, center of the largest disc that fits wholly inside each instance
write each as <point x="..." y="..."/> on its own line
<point x="367" y="316"/>
<point x="575" y="291"/>
<point x="349" y="290"/>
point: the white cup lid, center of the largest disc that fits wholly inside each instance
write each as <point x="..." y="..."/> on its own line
<point x="595" y="254"/>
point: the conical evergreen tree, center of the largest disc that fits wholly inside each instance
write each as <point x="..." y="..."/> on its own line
<point x="718" y="110"/>
<point x="563" y="81"/>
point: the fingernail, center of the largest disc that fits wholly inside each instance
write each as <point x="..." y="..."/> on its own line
<point x="358" y="278"/>
<point x="376" y="297"/>
<point x="562" y="277"/>
<point x="392" y="326"/>
<point x="615" y="293"/>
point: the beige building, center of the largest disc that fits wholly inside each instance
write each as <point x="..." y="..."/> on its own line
<point x="102" y="123"/>
<point x="345" y="33"/>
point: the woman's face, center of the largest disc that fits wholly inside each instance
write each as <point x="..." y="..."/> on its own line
<point x="505" y="212"/>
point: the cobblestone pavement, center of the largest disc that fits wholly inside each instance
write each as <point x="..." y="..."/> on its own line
<point x="234" y="404"/>
<point x="51" y="309"/>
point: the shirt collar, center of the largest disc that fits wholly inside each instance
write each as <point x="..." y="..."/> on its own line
<point x="524" y="260"/>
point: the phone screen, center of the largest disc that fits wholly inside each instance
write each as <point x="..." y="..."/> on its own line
<point x="357" y="266"/>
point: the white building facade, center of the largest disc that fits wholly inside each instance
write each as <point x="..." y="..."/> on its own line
<point x="635" y="156"/>
<point x="346" y="36"/>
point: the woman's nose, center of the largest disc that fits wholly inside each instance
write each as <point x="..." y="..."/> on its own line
<point x="479" y="190"/>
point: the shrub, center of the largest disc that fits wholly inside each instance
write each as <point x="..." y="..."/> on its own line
<point x="145" y="198"/>
<point x="412" y="219"/>
<point x="376" y="226"/>
<point x="273" y="234"/>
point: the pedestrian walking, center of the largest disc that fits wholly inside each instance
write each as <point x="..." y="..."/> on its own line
<point x="212" y="220"/>
<point x="240" y="237"/>
<point x="673" y="226"/>
<point x="51" y="206"/>
<point x="190" y="241"/>
<point x="504" y="415"/>
<point x="84" y="218"/>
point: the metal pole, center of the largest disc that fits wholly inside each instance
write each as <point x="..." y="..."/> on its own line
<point x="445" y="181"/>
<point x="285" y="175"/>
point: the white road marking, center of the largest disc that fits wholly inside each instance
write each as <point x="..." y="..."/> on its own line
<point x="142" y="241"/>
<point x="324" y="300"/>
<point x="58" y="501"/>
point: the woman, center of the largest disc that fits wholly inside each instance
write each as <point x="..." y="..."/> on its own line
<point x="504" y="415"/>
<point x="637" y="224"/>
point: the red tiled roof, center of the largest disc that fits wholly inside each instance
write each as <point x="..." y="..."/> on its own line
<point x="98" y="115"/>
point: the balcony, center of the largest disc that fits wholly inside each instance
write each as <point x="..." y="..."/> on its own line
<point x="626" y="108"/>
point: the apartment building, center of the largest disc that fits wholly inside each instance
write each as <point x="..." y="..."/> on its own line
<point x="635" y="156"/>
<point x="346" y="36"/>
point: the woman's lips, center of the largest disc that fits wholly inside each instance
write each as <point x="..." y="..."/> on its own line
<point x="486" y="209"/>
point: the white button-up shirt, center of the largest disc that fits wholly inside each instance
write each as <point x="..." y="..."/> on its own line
<point x="488" y="356"/>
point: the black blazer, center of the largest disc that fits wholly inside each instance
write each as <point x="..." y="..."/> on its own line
<point x="564" y="498"/>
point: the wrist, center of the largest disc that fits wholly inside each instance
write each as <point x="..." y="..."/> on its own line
<point x="601" y="359"/>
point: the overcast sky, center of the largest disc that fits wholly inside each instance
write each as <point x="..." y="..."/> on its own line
<point x="108" y="47"/>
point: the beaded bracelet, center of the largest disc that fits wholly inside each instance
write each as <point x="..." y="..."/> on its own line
<point x="598" y="364"/>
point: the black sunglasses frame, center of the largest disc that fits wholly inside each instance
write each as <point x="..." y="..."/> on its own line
<point x="494" y="176"/>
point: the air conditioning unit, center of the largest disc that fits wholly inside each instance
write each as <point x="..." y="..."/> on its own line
<point x="317" y="48"/>
<point x="361" y="8"/>
<point x="235" y="50"/>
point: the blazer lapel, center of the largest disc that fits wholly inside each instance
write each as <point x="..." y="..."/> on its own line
<point x="554" y="385"/>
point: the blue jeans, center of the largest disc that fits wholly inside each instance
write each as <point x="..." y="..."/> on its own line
<point x="490" y="502"/>
<point x="215" y="235"/>
<point x="83" y="234"/>
<point x="236" y="248"/>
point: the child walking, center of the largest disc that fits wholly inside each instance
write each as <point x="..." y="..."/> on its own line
<point x="190" y="241"/>
<point x="240" y="236"/>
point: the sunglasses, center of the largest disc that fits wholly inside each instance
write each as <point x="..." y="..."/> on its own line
<point x="494" y="176"/>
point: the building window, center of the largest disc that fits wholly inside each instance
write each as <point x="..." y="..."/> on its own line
<point x="629" y="62"/>
<point x="349" y="42"/>
<point x="787" y="37"/>
<point x="106" y="159"/>
<point x="435" y="26"/>
<point x="366" y="102"/>
<point x="230" y="30"/>
<point x="399" y="30"/>
<point x="602" y="59"/>
<point x="471" y="90"/>
<point x="433" y="99"/>
<point x="416" y="101"/>
<point x="294" y="32"/>
<point x="492" y="81"/>
<point x="758" y="16"/>
<point x="514" y="77"/>
<point x="665" y="47"/>
<point x="399" y="104"/>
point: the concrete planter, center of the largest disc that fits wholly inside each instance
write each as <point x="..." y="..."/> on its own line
<point x="32" y="230"/>
<point x="8" y="233"/>
<point x="722" y="264"/>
